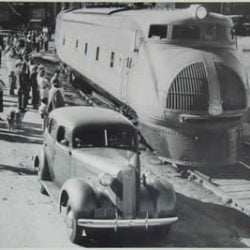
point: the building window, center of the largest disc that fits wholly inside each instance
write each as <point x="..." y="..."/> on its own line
<point x="76" y="44"/>
<point x="64" y="40"/>
<point x="112" y="59"/>
<point x="97" y="53"/>
<point x="86" y="49"/>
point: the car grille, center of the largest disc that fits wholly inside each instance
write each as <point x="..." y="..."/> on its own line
<point x="126" y="197"/>
<point x="189" y="90"/>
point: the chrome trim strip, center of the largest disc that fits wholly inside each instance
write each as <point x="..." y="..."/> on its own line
<point x="116" y="223"/>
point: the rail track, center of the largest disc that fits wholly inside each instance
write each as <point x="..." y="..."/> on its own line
<point x="230" y="183"/>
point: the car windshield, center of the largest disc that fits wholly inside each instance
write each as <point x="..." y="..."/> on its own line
<point x="117" y="138"/>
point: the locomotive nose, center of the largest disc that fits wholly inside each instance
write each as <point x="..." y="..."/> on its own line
<point x="207" y="86"/>
<point x="204" y="104"/>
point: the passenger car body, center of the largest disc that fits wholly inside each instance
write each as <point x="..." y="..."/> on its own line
<point x="92" y="155"/>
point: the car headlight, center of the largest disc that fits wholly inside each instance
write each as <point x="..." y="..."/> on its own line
<point x="106" y="180"/>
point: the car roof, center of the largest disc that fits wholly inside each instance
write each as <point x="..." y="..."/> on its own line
<point x="90" y="117"/>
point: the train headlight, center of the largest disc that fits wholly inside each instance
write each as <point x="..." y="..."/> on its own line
<point x="198" y="11"/>
<point x="201" y="12"/>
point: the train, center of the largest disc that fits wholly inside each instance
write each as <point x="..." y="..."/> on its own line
<point x="178" y="70"/>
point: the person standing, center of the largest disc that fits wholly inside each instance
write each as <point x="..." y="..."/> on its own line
<point x="46" y="42"/>
<point x="34" y="87"/>
<point x="43" y="110"/>
<point x="41" y="41"/>
<point x="12" y="82"/>
<point x="37" y="43"/>
<point x="56" y="98"/>
<point x="43" y="85"/>
<point x="55" y="76"/>
<point x="24" y="86"/>
<point x="1" y="95"/>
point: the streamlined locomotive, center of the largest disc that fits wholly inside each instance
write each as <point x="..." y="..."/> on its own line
<point x="178" y="70"/>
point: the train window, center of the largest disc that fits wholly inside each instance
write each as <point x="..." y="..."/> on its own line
<point x="112" y="59"/>
<point x="158" y="31"/>
<point x="86" y="49"/>
<point x="218" y="32"/>
<point x="190" y="32"/>
<point x="76" y="44"/>
<point x="97" y="53"/>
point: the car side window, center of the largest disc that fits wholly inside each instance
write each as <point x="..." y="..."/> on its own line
<point x="52" y="127"/>
<point x="63" y="137"/>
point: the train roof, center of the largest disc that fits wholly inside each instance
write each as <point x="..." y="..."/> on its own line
<point x="90" y="117"/>
<point x="142" y="16"/>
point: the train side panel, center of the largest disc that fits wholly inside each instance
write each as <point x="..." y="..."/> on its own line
<point x="100" y="53"/>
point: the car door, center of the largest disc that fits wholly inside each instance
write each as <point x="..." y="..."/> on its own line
<point x="49" y="144"/>
<point x="63" y="155"/>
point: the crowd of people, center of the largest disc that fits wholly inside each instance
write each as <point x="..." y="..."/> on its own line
<point x="27" y="80"/>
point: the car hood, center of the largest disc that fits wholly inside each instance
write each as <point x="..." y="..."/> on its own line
<point x="110" y="160"/>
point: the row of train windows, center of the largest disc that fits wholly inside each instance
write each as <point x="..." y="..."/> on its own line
<point x="208" y="32"/>
<point x="112" y="55"/>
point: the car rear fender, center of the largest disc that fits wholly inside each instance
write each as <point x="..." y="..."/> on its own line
<point x="81" y="197"/>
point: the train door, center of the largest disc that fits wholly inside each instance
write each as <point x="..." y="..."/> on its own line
<point x="125" y="79"/>
<point x="128" y="65"/>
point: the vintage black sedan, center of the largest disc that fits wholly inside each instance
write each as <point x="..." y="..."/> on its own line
<point x="91" y="156"/>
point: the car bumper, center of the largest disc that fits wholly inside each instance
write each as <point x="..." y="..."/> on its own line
<point x="127" y="223"/>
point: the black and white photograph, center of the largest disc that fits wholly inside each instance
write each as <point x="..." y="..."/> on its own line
<point x="124" y="124"/>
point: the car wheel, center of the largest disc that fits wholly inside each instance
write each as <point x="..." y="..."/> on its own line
<point x="73" y="230"/>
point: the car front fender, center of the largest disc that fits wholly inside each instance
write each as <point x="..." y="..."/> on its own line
<point x="80" y="196"/>
<point x="157" y="197"/>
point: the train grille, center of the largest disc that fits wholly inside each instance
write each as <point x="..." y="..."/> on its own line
<point x="126" y="201"/>
<point x="189" y="90"/>
<point x="232" y="90"/>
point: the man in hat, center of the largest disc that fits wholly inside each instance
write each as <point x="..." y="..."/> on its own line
<point x="34" y="87"/>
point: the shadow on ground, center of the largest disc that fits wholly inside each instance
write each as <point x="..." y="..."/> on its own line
<point x="19" y="137"/>
<point x="18" y="170"/>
